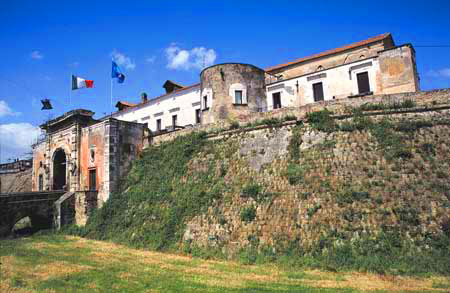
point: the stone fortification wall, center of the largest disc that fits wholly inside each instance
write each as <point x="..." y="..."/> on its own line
<point x="295" y="185"/>
<point x="16" y="182"/>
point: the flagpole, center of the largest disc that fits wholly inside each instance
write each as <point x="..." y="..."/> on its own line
<point x="70" y="92"/>
<point x="111" y="106"/>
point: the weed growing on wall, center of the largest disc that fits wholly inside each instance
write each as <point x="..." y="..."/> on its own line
<point x="248" y="214"/>
<point x="405" y="104"/>
<point x="322" y="120"/>
<point x="160" y="196"/>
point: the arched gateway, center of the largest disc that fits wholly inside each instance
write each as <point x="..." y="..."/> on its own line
<point x="59" y="170"/>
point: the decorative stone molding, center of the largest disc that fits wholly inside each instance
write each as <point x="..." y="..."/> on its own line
<point x="238" y="87"/>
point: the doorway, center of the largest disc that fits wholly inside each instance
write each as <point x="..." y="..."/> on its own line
<point x="276" y="100"/>
<point x="59" y="170"/>
<point x="363" y="82"/>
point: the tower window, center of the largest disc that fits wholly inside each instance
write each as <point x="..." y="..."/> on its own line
<point x="205" y="102"/>
<point x="238" y="97"/>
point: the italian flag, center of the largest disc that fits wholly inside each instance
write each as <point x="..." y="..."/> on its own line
<point x="79" y="83"/>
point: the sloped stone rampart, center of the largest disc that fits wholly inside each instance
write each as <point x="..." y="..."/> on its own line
<point x="16" y="182"/>
<point x="346" y="187"/>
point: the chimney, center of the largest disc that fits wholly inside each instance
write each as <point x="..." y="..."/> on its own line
<point x="144" y="98"/>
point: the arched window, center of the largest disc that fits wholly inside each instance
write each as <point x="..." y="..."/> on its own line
<point x="320" y="67"/>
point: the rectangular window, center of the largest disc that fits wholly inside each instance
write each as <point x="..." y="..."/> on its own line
<point x="318" y="91"/>
<point x="238" y="97"/>
<point x="93" y="179"/>
<point x="363" y="82"/>
<point x="158" y="124"/>
<point x="174" y="120"/>
<point x="205" y="102"/>
<point x="41" y="183"/>
<point x="198" y="118"/>
<point x="276" y="100"/>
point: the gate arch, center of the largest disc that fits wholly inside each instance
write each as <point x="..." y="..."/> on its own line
<point x="59" y="170"/>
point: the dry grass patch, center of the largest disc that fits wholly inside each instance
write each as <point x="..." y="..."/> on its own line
<point x="366" y="282"/>
<point x="57" y="269"/>
<point x="97" y="266"/>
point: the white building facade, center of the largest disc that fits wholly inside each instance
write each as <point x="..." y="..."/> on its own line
<point x="369" y="67"/>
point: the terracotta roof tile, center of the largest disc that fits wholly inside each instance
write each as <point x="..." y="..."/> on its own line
<point x="333" y="51"/>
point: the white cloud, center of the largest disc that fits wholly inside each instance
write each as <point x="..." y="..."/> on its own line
<point x="442" y="73"/>
<point x="16" y="139"/>
<point x="123" y="60"/>
<point x="198" y="57"/>
<point x="150" y="60"/>
<point x="36" y="55"/>
<point x="5" y="110"/>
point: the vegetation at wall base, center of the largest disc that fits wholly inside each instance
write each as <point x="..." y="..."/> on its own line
<point x="189" y="177"/>
<point x="158" y="197"/>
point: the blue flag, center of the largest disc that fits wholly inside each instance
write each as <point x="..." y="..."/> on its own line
<point x="116" y="73"/>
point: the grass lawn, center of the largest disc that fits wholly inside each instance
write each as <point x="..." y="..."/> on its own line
<point x="57" y="263"/>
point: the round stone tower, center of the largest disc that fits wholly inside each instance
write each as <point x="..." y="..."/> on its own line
<point x="231" y="92"/>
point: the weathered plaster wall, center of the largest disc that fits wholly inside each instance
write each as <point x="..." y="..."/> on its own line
<point x="398" y="71"/>
<point x="109" y="147"/>
<point x="338" y="83"/>
<point x="92" y="155"/>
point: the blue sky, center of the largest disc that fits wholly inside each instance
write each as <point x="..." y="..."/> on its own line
<point x="43" y="42"/>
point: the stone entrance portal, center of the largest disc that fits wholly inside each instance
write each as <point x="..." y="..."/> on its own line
<point x="59" y="170"/>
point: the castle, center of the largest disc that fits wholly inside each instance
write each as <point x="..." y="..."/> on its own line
<point x="229" y="92"/>
<point x="88" y="156"/>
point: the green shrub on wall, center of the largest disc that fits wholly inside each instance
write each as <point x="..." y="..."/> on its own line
<point x="322" y="120"/>
<point x="160" y="196"/>
<point x="248" y="214"/>
<point x="251" y="190"/>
